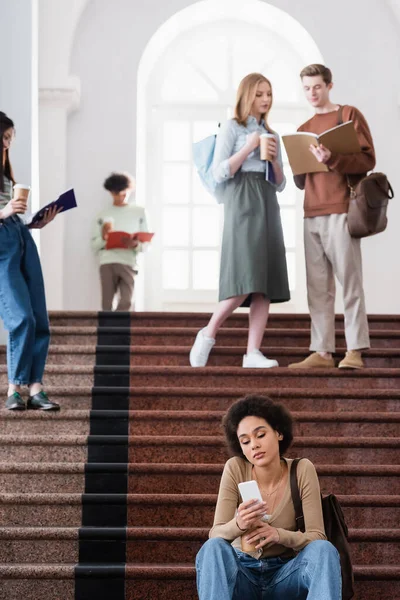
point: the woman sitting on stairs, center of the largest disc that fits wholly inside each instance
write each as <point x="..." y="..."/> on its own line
<point x="255" y="550"/>
<point x="22" y="296"/>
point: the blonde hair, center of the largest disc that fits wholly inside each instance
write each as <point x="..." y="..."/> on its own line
<point x="246" y="95"/>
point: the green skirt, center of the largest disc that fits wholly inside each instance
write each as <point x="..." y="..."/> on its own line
<point x="253" y="257"/>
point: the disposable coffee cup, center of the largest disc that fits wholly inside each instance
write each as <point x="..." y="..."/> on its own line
<point x="264" y="137"/>
<point x="108" y="225"/>
<point x="247" y="547"/>
<point x="21" y="192"/>
<point x="109" y="221"/>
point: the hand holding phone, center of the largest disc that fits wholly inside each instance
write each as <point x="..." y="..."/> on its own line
<point x="253" y="508"/>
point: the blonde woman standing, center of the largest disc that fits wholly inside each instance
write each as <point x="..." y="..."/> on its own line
<point x="253" y="268"/>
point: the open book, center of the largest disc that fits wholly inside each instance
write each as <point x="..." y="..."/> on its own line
<point x="118" y="239"/>
<point x="64" y="202"/>
<point x="341" y="139"/>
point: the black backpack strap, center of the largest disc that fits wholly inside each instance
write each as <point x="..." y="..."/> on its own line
<point x="294" y="489"/>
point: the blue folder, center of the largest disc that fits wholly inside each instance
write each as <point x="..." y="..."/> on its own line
<point x="64" y="202"/>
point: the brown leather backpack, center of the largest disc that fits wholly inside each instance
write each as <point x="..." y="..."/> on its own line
<point x="368" y="204"/>
<point x="335" y="529"/>
<point x="369" y="199"/>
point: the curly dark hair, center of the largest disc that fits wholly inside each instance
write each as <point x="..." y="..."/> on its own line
<point x="253" y="405"/>
<point x="118" y="182"/>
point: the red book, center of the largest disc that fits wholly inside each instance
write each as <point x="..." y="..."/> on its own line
<point x="117" y="239"/>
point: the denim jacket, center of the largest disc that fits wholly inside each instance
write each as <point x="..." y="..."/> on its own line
<point x="230" y="139"/>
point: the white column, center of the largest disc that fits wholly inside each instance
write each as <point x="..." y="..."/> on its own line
<point x="19" y="88"/>
<point x="55" y="105"/>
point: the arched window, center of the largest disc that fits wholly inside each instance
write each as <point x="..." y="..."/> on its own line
<point x="190" y="89"/>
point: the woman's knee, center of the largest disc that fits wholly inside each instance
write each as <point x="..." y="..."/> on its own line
<point x="213" y="547"/>
<point x="323" y="550"/>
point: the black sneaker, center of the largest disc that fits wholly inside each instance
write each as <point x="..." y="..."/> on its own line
<point x="41" y="401"/>
<point x="15" y="402"/>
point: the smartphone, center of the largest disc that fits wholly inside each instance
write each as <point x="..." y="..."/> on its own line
<point x="249" y="490"/>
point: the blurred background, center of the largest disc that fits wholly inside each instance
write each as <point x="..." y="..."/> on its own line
<point x="95" y="86"/>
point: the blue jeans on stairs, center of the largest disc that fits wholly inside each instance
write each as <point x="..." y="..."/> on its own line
<point x="224" y="573"/>
<point x="22" y="303"/>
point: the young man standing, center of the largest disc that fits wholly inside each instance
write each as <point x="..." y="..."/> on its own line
<point x="118" y="266"/>
<point x="329" y="249"/>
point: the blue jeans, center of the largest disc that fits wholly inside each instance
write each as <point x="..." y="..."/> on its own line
<point x="224" y="573"/>
<point x="22" y="303"/>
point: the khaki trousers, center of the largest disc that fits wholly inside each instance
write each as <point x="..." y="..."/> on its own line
<point x="115" y="278"/>
<point x="330" y="251"/>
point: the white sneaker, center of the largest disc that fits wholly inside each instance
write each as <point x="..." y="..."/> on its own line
<point x="257" y="360"/>
<point x="201" y="349"/>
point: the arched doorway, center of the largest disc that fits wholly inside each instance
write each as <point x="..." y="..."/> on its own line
<point x="187" y="90"/>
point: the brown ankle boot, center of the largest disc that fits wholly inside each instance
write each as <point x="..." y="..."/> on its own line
<point x="352" y="360"/>
<point x="314" y="361"/>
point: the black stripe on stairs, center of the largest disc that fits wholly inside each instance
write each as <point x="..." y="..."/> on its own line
<point x="100" y="574"/>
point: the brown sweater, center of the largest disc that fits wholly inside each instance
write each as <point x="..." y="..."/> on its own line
<point x="328" y="193"/>
<point x="283" y="518"/>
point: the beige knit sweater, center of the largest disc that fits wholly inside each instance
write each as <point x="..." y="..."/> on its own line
<point x="283" y="518"/>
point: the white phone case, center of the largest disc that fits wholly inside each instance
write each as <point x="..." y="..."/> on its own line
<point x="249" y="490"/>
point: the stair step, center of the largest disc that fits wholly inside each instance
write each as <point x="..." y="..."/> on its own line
<point x="61" y="544"/>
<point x="61" y="375"/>
<point x="179" y="544"/>
<point x="81" y="355"/>
<point x="347" y="423"/>
<point x="174" y="581"/>
<point x="70" y="354"/>
<point x="197" y="422"/>
<point x="56" y="581"/>
<point x="232" y="356"/>
<point x="184" y="336"/>
<point x="169" y="510"/>
<point x="200" y="449"/>
<point x="173" y="319"/>
<point x="243" y="378"/>
<point x="205" y="478"/>
<point x="36" y="544"/>
<point x="64" y="422"/>
<point x="163" y="510"/>
<point x="296" y="399"/>
<point x="145" y="478"/>
<point x="206" y="449"/>
<point x="219" y="399"/>
<point x="37" y="581"/>
<point x="219" y="377"/>
<point x="306" y="423"/>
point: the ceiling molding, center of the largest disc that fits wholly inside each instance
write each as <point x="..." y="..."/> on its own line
<point x="66" y="98"/>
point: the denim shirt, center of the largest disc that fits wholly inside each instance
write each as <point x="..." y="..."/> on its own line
<point x="230" y="139"/>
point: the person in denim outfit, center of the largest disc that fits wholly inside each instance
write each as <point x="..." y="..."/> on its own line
<point x="255" y="551"/>
<point x="22" y="296"/>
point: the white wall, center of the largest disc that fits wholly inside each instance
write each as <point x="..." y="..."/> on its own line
<point x="361" y="46"/>
<point x="19" y="88"/>
<point x="102" y="134"/>
<point x="18" y="81"/>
